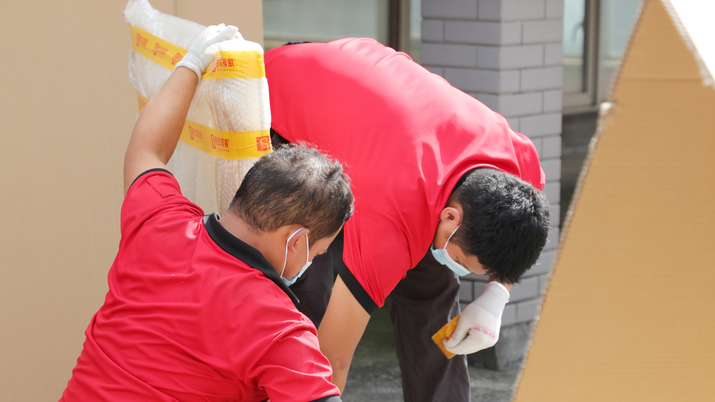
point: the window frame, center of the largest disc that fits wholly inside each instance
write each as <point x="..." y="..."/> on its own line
<point x="399" y="25"/>
<point x="586" y="100"/>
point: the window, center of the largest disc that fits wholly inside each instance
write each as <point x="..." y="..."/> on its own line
<point x="395" y="23"/>
<point x="579" y="51"/>
<point x="596" y="33"/>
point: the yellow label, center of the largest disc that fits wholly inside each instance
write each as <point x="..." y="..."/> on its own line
<point x="156" y="49"/>
<point x="236" y="64"/>
<point x="444" y="333"/>
<point x="227" y="63"/>
<point x="142" y="102"/>
<point x="226" y="144"/>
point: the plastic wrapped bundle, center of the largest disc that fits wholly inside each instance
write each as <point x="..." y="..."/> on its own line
<point x="227" y="128"/>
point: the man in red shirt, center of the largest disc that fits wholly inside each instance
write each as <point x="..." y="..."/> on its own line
<point x="438" y="178"/>
<point x="199" y="307"/>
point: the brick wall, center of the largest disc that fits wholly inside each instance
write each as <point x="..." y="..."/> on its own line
<point x="507" y="54"/>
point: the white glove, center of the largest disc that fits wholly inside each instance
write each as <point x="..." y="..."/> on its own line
<point x="479" y="322"/>
<point x="197" y="59"/>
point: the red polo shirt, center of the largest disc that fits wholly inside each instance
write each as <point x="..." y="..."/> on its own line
<point x="406" y="136"/>
<point x="193" y="313"/>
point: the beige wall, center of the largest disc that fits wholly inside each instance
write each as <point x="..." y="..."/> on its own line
<point x="66" y="110"/>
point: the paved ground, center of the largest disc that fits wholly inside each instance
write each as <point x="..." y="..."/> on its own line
<point x="375" y="373"/>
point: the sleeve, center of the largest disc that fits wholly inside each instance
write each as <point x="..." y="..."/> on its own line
<point x="377" y="256"/>
<point x="292" y="369"/>
<point x="528" y="160"/>
<point x="154" y="192"/>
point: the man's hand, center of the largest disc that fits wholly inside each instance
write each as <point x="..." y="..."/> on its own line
<point x="196" y="59"/>
<point x="479" y="323"/>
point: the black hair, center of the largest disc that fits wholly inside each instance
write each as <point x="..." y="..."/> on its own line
<point x="295" y="184"/>
<point x="505" y="222"/>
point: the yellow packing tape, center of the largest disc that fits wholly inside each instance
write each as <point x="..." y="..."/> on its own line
<point x="226" y="144"/>
<point x="223" y="144"/>
<point x="228" y="64"/>
<point x="142" y="102"/>
<point x="236" y="64"/>
<point x="156" y="49"/>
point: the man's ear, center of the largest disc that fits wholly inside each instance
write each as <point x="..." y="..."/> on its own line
<point x="298" y="235"/>
<point x="451" y="215"/>
<point x="449" y="219"/>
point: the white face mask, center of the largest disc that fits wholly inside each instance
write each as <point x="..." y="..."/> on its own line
<point x="442" y="257"/>
<point x="291" y="281"/>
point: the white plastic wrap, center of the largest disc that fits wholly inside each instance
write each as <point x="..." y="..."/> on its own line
<point x="235" y="105"/>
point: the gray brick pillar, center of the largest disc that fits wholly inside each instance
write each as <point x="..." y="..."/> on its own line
<point x="507" y="54"/>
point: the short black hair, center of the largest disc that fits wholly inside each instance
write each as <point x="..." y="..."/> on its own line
<point x="505" y="223"/>
<point x="295" y="184"/>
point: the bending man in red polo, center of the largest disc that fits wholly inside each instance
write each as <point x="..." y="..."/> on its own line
<point x="443" y="187"/>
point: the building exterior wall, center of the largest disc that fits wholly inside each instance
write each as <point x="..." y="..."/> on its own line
<point x="67" y="112"/>
<point x="507" y="54"/>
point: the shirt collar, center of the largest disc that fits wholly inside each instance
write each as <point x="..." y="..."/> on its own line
<point x="241" y="250"/>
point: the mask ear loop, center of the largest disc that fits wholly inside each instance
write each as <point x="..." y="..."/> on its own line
<point x="285" y="259"/>
<point x="307" y="250"/>
<point x="448" y="239"/>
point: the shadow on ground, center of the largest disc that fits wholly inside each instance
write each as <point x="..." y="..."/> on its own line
<point x="375" y="372"/>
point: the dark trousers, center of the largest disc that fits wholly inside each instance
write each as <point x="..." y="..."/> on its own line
<point x="424" y="301"/>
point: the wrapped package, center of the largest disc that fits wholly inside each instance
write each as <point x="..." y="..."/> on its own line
<point x="228" y="124"/>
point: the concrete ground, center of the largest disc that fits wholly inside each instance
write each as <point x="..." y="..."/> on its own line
<point x="375" y="374"/>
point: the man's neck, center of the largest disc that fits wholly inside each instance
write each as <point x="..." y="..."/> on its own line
<point x="264" y="242"/>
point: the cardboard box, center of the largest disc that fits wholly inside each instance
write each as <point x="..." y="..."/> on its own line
<point x="629" y="313"/>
